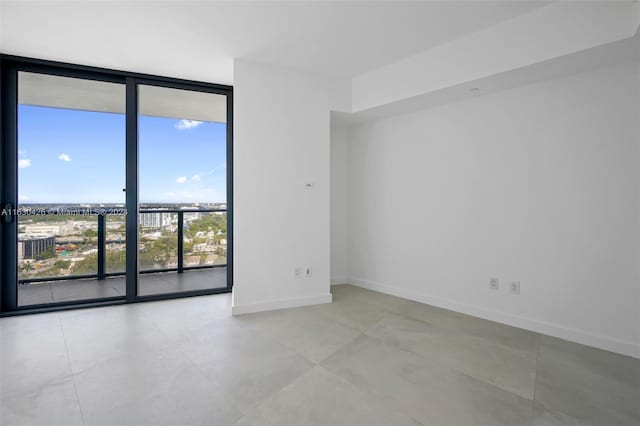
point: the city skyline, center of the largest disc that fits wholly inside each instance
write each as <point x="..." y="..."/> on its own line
<point x="180" y="161"/>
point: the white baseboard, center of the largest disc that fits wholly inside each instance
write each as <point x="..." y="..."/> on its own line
<point x="339" y="280"/>
<point x="555" y="330"/>
<point x="272" y="305"/>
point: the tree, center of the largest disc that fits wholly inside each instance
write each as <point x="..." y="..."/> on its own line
<point x="158" y="252"/>
<point x="87" y="266"/>
<point x="26" y="267"/>
<point x="49" y="253"/>
<point x="210" y="222"/>
<point x="90" y="234"/>
<point x="62" y="264"/>
<point x="116" y="261"/>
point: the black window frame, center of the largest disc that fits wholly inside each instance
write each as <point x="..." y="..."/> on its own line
<point x="10" y="65"/>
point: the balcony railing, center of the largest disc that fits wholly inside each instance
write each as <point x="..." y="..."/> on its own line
<point x="102" y="272"/>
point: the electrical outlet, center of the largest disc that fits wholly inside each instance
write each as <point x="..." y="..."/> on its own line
<point x="307" y="272"/>
<point x="297" y="273"/>
<point x="494" y="283"/>
<point x="514" y="287"/>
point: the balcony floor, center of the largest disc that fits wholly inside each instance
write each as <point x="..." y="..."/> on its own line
<point x="148" y="284"/>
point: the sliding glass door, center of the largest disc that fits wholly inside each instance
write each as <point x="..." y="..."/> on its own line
<point x="70" y="174"/>
<point x="115" y="186"/>
<point x="182" y="233"/>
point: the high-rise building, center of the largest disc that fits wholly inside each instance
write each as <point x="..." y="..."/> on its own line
<point x="31" y="246"/>
<point x="151" y="220"/>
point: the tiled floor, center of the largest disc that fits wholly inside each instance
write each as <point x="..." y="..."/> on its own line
<point x="156" y="283"/>
<point x="366" y="359"/>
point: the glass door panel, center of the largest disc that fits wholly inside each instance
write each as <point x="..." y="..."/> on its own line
<point x="182" y="233"/>
<point x="71" y="204"/>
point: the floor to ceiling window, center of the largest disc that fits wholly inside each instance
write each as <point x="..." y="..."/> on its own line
<point x="182" y="189"/>
<point x="115" y="186"/>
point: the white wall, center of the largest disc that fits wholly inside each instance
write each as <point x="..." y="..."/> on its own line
<point x="339" y="259"/>
<point x="539" y="184"/>
<point x="281" y="141"/>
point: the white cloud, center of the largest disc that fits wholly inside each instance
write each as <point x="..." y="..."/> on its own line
<point x="22" y="197"/>
<point x="195" y="178"/>
<point x="64" y="157"/>
<point x="181" y="179"/>
<point x="187" y="124"/>
<point x="24" y="163"/>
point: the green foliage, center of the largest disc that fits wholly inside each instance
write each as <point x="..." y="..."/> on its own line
<point x="26" y="267"/>
<point x="116" y="261"/>
<point x="90" y="233"/>
<point x="62" y="264"/>
<point x="158" y="252"/>
<point x="49" y="253"/>
<point x="154" y="253"/>
<point x="208" y="222"/>
<point x="88" y="265"/>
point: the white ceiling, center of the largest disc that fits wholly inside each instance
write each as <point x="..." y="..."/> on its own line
<point x="90" y="95"/>
<point x="199" y="40"/>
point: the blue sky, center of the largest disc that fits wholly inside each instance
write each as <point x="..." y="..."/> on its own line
<point x="69" y="156"/>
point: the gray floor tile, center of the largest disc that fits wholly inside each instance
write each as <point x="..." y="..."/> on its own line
<point x="320" y="398"/>
<point x="179" y="319"/>
<point x="54" y="403"/>
<point x="588" y="384"/>
<point x="348" y="293"/>
<point x="153" y="388"/>
<point x="354" y="314"/>
<point x="509" y="369"/>
<point x="617" y="367"/>
<point x="494" y="332"/>
<point x="382" y="360"/>
<point x="95" y="335"/>
<point x="544" y="417"/>
<point x="33" y="354"/>
<point x="247" y="365"/>
<point x="428" y="392"/>
<point x="304" y="330"/>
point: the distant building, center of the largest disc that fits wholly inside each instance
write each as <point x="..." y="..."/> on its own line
<point x="151" y="220"/>
<point x="31" y="246"/>
<point x="42" y="229"/>
<point x="169" y="218"/>
<point x="189" y="216"/>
